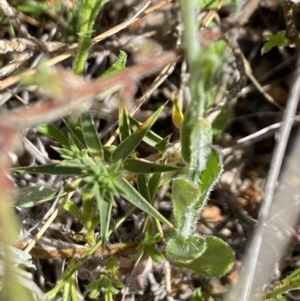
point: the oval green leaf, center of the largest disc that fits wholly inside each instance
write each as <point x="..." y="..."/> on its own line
<point x="216" y="261"/>
<point x="185" y="250"/>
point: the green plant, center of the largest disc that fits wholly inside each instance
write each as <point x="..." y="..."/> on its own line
<point x="103" y="173"/>
<point x="100" y="172"/>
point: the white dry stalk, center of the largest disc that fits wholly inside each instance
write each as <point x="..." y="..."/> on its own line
<point x="260" y="260"/>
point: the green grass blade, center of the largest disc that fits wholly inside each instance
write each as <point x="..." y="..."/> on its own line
<point x="153" y="184"/>
<point x="143" y="167"/>
<point x="105" y="207"/>
<point x="185" y="196"/>
<point x="143" y="187"/>
<point x="135" y="198"/>
<point x="130" y="143"/>
<point x="124" y="124"/>
<point x="90" y="135"/>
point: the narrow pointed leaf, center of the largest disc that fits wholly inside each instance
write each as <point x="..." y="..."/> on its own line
<point x="124" y="124"/>
<point x="151" y="138"/>
<point x="105" y="208"/>
<point x="75" y="132"/>
<point x="163" y="144"/>
<point x="107" y="151"/>
<point x="53" y="132"/>
<point x="153" y="184"/>
<point x="130" y="143"/>
<point x="143" y="186"/>
<point x="143" y="167"/>
<point x="50" y="169"/>
<point x="90" y="135"/>
<point x="135" y="198"/>
<point x="201" y="142"/>
<point x="216" y="261"/>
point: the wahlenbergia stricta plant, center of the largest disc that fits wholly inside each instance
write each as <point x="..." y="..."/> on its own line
<point x="206" y="255"/>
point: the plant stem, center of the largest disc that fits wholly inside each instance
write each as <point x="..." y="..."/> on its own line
<point x="89" y="12"/>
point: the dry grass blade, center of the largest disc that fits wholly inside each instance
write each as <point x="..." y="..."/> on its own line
<point x="141" y="13"/>
<point x="77" y="93"/>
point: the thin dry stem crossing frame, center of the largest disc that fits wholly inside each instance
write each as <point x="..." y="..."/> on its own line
<point x="244" y="290"/>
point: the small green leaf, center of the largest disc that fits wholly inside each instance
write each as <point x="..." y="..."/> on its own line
<point x="124" y="123"/>
<point x="118" y="66"/>
<point x="201" y="142"/>
<point x="154" y="253"/>
<point x="127" y="146"/>
<point x="185" y="195"/>
<point x="143" y="186"/>
<point x="91" y="137"/>
<point x="197" y="295"/>
<point x="185" y="250"/>
<point x="51" y="169"/>
<point x="163" y="144"/>
<point x="221" y="122"/>
<point x="135" y="198"/>
<point x="143" y="167"/>
<point x="209" y="176"/>
<point x="33" y="196"/>
<point x="73" y="209"/>
<point x="191" y="116"/>
<point x="275" y="40"/>
<point x="153" y="184"/>
<point x="216" y="261"/>
<point x="53" y="132"/>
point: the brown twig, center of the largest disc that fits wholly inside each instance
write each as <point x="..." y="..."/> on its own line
<point x="79" y="251"/>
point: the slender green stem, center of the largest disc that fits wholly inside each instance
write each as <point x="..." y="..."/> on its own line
<point x="285" y="286"/>
<point x="89" y="12"/>
<point x="193" y="51"/>
<point x="189" y="9"/>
